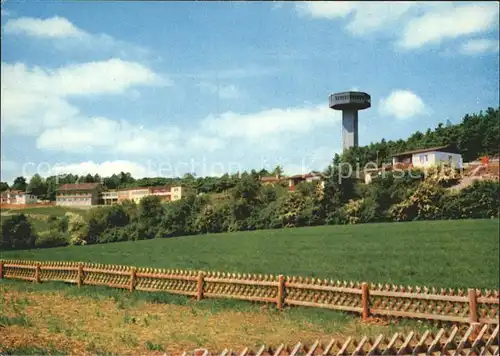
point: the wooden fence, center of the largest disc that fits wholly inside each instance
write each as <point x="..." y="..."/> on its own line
<point x="470" y="306"/>
<point x="475" y="340"/>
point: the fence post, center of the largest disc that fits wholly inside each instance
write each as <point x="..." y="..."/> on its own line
<point x="473" y="317"/>
<point x="199" y="286"/>
<point x="133" y="271"/>
<point x="365" y="295"/>
<point x="281" y="291"/>
<point x="1" y="269"/>
<point x="79" y="280"/>
<point x="37" y="273"/>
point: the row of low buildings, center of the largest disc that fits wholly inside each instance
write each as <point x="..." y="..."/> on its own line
<point x="88" y="194"/>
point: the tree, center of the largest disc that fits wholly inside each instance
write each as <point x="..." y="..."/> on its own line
<point x="51" y="188"/>
<point x="150" y="216"/>
<point x="278" y="170"/>
<point x="339" y="186"/>
<point x="20" y="184"/>
<point x="37" y="186"/>
<point x="3" y="186"/>
<point x="16" y="233"/>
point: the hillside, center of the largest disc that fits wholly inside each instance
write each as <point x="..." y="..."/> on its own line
<point x="440" y="253"/>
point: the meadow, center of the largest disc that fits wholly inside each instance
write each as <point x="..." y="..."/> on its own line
<point x="452" y="253"/>
<point x="45" y="210"/>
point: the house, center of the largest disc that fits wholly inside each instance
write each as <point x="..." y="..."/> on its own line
<point x="17" y="197"/>
<point x="293" y="181"/>
<point x="81" y="194"/>
<point x="424" y="158"/>
<point x="272" y="179"/>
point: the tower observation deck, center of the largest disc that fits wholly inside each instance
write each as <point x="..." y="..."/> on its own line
<point x="350" y="102"/>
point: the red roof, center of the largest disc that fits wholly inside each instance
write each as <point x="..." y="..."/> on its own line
<point x="79" y="186"/>
<point x="271" y="179"/>
<point x="308" y="175"/>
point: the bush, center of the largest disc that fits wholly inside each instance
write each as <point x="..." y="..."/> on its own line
<point x="358" y="211"/>
<point x="479" y="201"/>
<point x="51" y="238"/>
<point x="445" y="176"/>
<point x="212" y="219"/>
<point x="423" y="204"/>
<point x="16" y="232"/>
<point x="77" y="229"/>
<point x="118" y="234"/>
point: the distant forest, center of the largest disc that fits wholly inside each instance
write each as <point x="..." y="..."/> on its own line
<point x="477" y="135"/>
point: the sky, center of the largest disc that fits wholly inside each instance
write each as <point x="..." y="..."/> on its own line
<point x="167" y="88"/>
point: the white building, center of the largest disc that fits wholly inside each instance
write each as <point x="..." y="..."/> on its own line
<point x="428" y="157"/>
<point x="18" y="197"/>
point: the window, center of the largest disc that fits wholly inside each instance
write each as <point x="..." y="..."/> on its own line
<point x="421" y="158"/>
<point x="426" y="158"/>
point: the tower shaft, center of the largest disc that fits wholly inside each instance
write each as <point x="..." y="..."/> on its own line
<point x="349" y="128"/>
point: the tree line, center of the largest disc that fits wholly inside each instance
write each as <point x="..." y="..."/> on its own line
<point x="253" y="206"/>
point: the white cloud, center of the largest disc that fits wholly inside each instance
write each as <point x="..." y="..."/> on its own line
<point x="402" y="104"/>
<point x="416" y="23"/>
<point x="36" y="99"/>
<point x="66" y="36"/>
<point x="113" y="76"/>
<point x="270" y="128"/>
<point x="271" y="122"/>
<point x="363" y="17"/>
<point x="435" y="26"/>
<point x="204" y="143"/>
<point x="55" y="27"/>
<point x="477" y="46"/>
<point x="28" y="112"/>
<point x="108" y="136"/>
<point x="230" y="91"/>
<point x="327" y="9"/>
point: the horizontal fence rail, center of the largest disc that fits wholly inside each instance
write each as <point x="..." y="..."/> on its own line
<point x="463" y="306"/>
<point x="475" y="340"/>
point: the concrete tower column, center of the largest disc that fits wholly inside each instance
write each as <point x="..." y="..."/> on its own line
<point x="349" y="128"/>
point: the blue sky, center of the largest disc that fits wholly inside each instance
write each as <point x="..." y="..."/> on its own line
<point x="165" y="88"/>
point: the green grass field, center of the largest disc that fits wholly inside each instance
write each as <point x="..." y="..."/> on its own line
<point x="434" y="253"/>
<point x="46" y="210"/>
